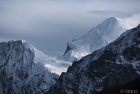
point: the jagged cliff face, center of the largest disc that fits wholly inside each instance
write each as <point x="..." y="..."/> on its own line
<point x="98" y="37"/>
<point x="116" y="64"/>
<point x="19" y="74"/>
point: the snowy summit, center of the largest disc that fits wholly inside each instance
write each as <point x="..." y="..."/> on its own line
<point x="98" y="37"/>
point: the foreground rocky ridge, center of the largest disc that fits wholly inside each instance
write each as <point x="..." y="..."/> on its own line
<point x="116" y="64"/>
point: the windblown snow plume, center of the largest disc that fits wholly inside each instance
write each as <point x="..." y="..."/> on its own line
<point x="130" y="22"/>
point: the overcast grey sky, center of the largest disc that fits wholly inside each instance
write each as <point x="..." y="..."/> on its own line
<point x="49" y="24"/>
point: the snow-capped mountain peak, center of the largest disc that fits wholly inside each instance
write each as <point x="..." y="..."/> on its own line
<point x="98" y="37"/>
<point x="53" y="64"/>
<point x="23" y="41"/>
<point x="27" y="70"/>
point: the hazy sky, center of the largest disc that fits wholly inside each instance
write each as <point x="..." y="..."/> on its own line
<point x="49" y="24"/>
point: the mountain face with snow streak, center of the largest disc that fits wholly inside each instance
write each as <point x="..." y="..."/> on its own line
<point x="53" y="64"/>
<point x="116" y="64"/>
<point x="98" y="37"/>
<point x="26" y="70"/>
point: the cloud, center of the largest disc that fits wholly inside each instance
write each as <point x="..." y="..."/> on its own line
<point x="109" y="13"/>
<point x="49" y="24"/>
<point x="131" y="21"/>
<point x="136" y="17"/>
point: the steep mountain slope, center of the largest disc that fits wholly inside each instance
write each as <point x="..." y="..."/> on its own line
<point x="98" y="37"/>
<point x="26" y="70"/>
<point x="53" y="64"/>
<point x="116" y="64"/>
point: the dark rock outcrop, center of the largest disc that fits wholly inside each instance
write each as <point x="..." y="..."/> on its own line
<point x="114" y="65"/>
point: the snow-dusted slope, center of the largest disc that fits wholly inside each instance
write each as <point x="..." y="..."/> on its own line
<point x="53" y="64"/>
<point x="26" y="70"/>
<point x="96" y="38"/>
<point x="115" y="64"/>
